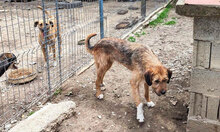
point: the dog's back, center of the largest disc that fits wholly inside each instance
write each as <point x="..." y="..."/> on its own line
<point x="128" y="54"/>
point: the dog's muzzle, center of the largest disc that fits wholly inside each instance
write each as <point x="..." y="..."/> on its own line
<point x="14" y="65"/>
<point x="163" y="92"/>
<point x="42" y="30"/>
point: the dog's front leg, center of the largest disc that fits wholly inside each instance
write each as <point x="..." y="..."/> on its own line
<point x="136" y="95"/>
<point x="54" y="54"/>
<point x="44" y="52"/>
<point x="147" y="96"/>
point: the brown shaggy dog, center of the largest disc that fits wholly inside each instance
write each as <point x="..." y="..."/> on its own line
<point x="139" y="59"/>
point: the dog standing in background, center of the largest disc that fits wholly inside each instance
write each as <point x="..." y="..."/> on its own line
<point x="7" y="61"/>
<point x="139" y="59"/>
<point x="50" y="34"/>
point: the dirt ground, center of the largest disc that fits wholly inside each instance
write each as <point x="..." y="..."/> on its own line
<point x="117" y="111"/>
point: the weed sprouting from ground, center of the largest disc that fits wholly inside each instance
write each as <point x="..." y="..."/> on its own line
<point x="132" y="39"/>
<point x="170" y="23"/>
<point x="136" y="34"/>
<point x="163" y="15"/>
<point x="30" y="113"/>
<point x="58" y="91"/>
<point x="160" y="19"/>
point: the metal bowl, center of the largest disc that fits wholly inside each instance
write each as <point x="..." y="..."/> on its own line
<point x="21" y="76"/>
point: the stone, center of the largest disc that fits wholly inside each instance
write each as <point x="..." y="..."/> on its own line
<point x="99" y="116"/>
<point x="127" y="23"/>
<point x="46" y="118"/>
<point x="122" y="25"/>
<point x="13" y="121"/>
<point x="7" y="127"/>
<point x="122" y="12"/>
<point x="173" y="102"/>
<point x="133" y="7"/>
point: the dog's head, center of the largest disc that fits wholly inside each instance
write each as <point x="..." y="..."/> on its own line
<point x="40" y="24"/>
<point x="9" y="60"/>
<point x="158" y="77"/>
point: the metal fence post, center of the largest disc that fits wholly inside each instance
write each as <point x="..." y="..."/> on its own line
<point x="59" y="40"/>
<point x="101" y="19"/>
<point x="143" y="9"/>
<point x="46" y="48"/>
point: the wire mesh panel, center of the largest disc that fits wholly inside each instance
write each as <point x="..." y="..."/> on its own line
<point x="48" y="42"/>
<point x="23" y="86"/>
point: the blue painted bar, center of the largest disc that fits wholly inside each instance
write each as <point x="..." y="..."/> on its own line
<point x="101" y="19"/>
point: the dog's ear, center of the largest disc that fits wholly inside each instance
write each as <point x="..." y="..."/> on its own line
<point x="148" y="77"/>
<point x="51" y="23"/>
<point x="169" y="72"/>
<point x="36" y="23"/>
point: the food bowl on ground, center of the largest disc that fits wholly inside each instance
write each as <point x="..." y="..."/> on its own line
<point x="22" y="76"/>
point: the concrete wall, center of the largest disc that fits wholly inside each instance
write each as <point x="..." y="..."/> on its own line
<point x="204" y="112"/>
<point x="204" y="109"/>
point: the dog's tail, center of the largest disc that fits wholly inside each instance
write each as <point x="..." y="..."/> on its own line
<point x="87" y="43"/>
<point x="40" y="7"/>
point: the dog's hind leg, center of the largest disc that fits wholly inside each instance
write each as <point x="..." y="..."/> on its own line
<point x="107" y="67"/>
<point x="102" y="67"/>
<point x="147" y="96"/>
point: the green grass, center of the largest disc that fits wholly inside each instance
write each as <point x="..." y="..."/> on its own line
<point x="30" y="113"/>
<point x="143" y="33"/>
<point x="170" y="23"/>
<point x="137" y="35"/>
<point x="132" y="39"/>
<point x="163" y="15"/>
<point x="58" y="91"/>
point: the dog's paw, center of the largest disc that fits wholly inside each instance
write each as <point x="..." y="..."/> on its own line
<point x="102" y="85"/>
<point x="140" y="113"/>
<point x="150" y="104"/>
<point x="45" y="65"/>
<point x="101" y="96"/>
<point x="55" y="63"/>
<point x="103" y="88"/>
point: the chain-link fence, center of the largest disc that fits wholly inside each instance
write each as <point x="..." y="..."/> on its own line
<point x="46" y="38"/>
